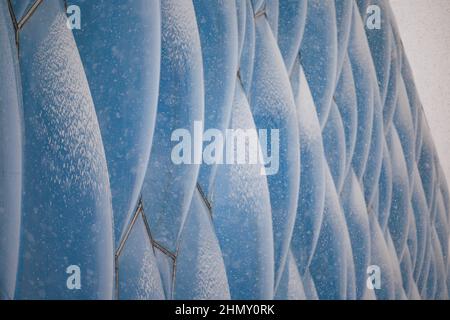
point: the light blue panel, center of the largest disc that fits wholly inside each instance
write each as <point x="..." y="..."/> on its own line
<point x="381" y="46"/>
<point x="241" y="11"/>
<point x="165" y="266"/>
<point x="310" y="289"/>
<point x="291" y="25"/>
<point x="273" y="107"/>
<point x="242" y="215"/>
<point x="410" y="286"/>
<point x="361" y="62"/>
<point x="20" y="7"/>
<point x="272" y="12"/>
<point x="312" y="181"/>
<point x="66" y="207"/>
<point x="330" y="267"/>
<point x="410" y="254"/>
<point x="405" y="128"/>
<point x="258" y="6"/>
<point x="345" y="98"/>
<point x="11" y="127"/>
<point x="384" y="190"/>
<point x="442" y="226"/>
<point x="344" y="14"/>
<point x="363" y="59"/>
<point x="399" y="213"/>
<point x="374" y="162"/>
<point x="441" y="291"/>
<point x="200" y="269"/>
<point x="333" y="135"/>
<point x="291" y="284"/>
<point x="217" y="23"/>
<point x="247" y="56"/>
<point x="413" y="96"/>
<point x="357" y="219"/>
<point x="138" y="272"/>
<point x="419" y="205"/>
<point x="320" y="61"/>
<point x="380" y="256"/>
<point x="399" y="290"/>
<point x="120" y="46"/>
<point x="168" y="187"/>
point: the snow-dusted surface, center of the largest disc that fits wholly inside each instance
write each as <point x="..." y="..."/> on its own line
<point x="359" y="183"/>
<point x="425" y="30"/>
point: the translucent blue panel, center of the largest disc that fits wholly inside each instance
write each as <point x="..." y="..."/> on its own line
<point x="120" y="46"/>
<point x="344" y="13"/>
<point x="426" y="167"/>
<point x="442" y="227"/>
<point x="405" y="128"/>
<point x="241" y="6"/>
<point x="200" y="269"/>
<point x="291" y="25"/>
<point x="271" y="12"/>
<point x="291" y="284"/>
<point x="384" y="190"/>
<point x="217" y="23"/>
<point x="247" y="56"/>
<point x="273" y="107"/>
<point x="21" y="7"/>
<point x="138" y="274"/>
<point x="361" y="62"/>
<point x="332" y="265"/>
<point x="419" y="205"/>
<point x="374" y="162"/>
<point x="333" y="135"/>
<point x="357" y="220"/>
<point x="10" y="155"/>
<point x="441" y="291"/>
<point x="399" y="291"/>
<point x="345" y="97"/>
<point x="168" y="187"/>
<point x="410" y="286"/>
<point x="66" y="207"/>
<point x="165" y="266"/>
<point x="382" y="46"/>
<point x="309" y="287"/>
<point x="320" y="61"/>
<point x="312" y="182"/>
<point x="379" y="255"/>
<point x="242" y="219"/>
<point x="400" y="207"/>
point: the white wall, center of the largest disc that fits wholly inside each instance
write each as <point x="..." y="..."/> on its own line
<point x="425" y="29"/>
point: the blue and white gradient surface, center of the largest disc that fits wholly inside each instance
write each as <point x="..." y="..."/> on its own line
<point x="87" y="179"/>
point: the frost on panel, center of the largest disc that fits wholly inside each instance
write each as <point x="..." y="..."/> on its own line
<point x="312" y="180"/>
<point x="139" y="277"/>
<point x="273" y="107"/>
<point x="168" y="187"/>
<point x="291" y="284"/>
<point x="318" y="54"/>
<point x="200" y="270"/>
<point x="67" y="218"/>
<point x="120" y="47"/>
<point x="217" y="24"/>
<point x="242" y="219"/>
